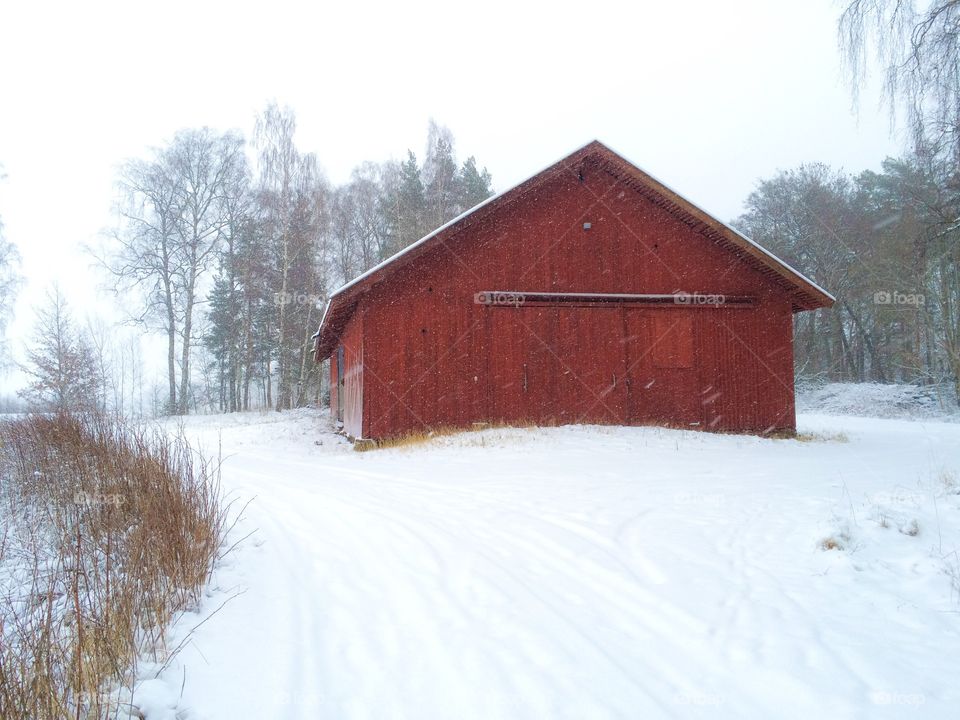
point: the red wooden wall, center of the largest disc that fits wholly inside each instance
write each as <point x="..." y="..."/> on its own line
<point x="426" y="355"/>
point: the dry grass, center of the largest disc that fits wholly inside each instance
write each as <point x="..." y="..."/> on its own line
<point x="834" y="543"/>
<point x="911" y="528"/>
<point x="421" y="437"/>
<point x="835" y="437"/>
<point x="110" y="531"/>
<point x="949" y="484"/>
<point x="404" y="441"/>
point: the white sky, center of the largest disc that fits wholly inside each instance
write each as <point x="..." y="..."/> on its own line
<point x="708" y="96"/>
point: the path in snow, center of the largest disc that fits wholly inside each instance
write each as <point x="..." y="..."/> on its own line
<point x="580" y="573"/>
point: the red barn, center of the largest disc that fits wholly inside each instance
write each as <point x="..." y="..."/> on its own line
<point x="589" y="293"/>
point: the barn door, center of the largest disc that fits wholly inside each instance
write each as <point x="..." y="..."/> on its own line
<point x="591" y="384"/>
<point x="662" y="367"/>
<point x="340" y="384"/>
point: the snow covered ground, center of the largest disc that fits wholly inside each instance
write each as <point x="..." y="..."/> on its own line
<point x="579" y="572"/>
<point x="927" y="402"/>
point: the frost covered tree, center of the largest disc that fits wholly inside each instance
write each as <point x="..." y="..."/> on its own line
<point x="806" y="216"/>
<point x="402" y="203"/>
<point x="242" y="262"/>
<point x="918" y="45"/>
<point x="61" y="363"/>
<point x="870" y="240"/>
<point x="449" y="190"/>
<point x="359" y="223"/>
<point x="440" y="176"/>
<point x="9" y="283"/>
<point x="174" y="213"/>
<point x="143" y="255"/>
<point x="211" y="174"/>
<point x="239" y="310"/>
<point x="292" y="195"/>
<point x="410" y="201"/>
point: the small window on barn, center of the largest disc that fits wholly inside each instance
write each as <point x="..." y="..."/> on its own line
<point x="673" y="339"/>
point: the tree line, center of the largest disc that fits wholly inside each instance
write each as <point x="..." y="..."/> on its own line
<point x="229" y="249"/>
<point x="236" y="267"/>
<point x="886" y="245"/>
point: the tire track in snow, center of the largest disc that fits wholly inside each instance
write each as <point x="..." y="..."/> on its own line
<point x="660" y="624"/>
<point x="419" y="585"/>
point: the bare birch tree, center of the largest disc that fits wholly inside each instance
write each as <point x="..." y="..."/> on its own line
<point x="918" y="45"/>
<point x="142" y="257"/>
<point x="292" y="196"/>
<point x="9" y="283"/>
<point x="210" y="173"/>
<point x="173" y="212"/>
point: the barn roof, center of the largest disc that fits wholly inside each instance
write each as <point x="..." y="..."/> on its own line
<point x="803" y="292"/>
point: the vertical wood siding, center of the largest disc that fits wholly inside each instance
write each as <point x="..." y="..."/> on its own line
<point x="434" y="357"/>
<point x="353" y="375"/>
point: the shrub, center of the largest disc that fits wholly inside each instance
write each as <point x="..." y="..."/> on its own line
<point x="109" y="531"/>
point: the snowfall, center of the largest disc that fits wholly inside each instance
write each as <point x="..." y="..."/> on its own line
<point x="581" y="572"/>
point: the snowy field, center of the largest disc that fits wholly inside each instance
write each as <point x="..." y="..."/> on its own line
<point x="579" y="572"/>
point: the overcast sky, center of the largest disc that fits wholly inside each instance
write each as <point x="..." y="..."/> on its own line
<point x="708" y="96"/>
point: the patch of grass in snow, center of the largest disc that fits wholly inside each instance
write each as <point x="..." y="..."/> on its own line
<point x="926" y="512"/>
<point x="911" y="528"/>
<point x="949" y="482"/>
<point x="952" y="568"/>
<point x="839" y="541"/>
<point x="822" y="437"/>
<point x="109" y="531"/>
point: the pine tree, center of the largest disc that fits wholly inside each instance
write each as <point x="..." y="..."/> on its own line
<point x="472" y="186"/>
<point x="221" y="337"/>
<point x="241" y="307"/>
<point x="403" y="204"/>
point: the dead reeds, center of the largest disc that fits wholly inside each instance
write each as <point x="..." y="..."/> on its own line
<point x="108" y="530"/>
